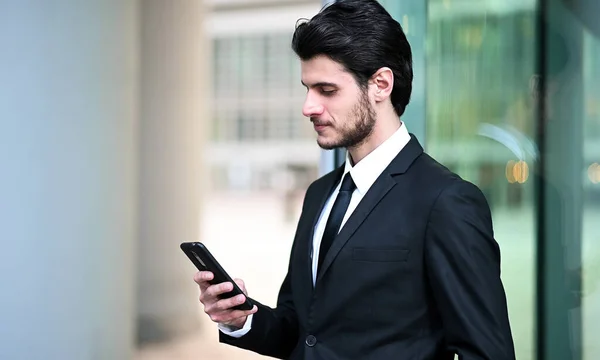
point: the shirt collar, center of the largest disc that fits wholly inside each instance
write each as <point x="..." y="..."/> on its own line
<point x="371" y="166"/>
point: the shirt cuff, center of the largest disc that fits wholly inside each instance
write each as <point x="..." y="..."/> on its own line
<point x="237" y="333"/>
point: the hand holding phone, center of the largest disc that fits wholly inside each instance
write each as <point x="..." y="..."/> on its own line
<point x="224" y="300"/>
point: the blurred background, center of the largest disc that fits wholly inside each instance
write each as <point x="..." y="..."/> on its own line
<point x="130" y="126"/>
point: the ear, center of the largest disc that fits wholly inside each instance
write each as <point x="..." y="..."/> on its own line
<point x="383" y="84"/>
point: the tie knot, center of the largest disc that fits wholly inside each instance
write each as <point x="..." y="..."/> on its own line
<point x="348" y="184"/>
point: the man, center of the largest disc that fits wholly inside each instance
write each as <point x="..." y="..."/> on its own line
<point x="394" y="256"/>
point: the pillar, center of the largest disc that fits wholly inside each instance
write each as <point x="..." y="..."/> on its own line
<point x="68" y="184"/>
<point x="173" y="121"/>
<point x="561" y="210"/>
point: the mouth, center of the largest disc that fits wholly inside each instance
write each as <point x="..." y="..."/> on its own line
<point x="320" y="126"/>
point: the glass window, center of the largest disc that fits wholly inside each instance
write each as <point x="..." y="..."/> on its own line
<point x="257" y="96"/>
<point x="590" y="246"/>
<point x="570" y="192"/>
<point x="520" y="117"/>
<point x="479" y="123"/>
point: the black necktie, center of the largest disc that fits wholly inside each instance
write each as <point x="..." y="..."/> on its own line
<point x="336" y="216"/>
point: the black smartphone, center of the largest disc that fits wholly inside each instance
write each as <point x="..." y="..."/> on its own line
<point x="205" y="261"/>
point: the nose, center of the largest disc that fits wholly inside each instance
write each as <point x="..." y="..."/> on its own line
<point x="312" y="106"/>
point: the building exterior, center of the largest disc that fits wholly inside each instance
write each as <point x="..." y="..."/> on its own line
<point x="259" y="139"/>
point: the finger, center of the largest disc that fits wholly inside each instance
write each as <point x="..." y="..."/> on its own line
<point x="214" y="291"/>
<point x="203" y="276"/>
<point x="229" y="303"/>
<point x="240" y="283"/>
<point x="210" y="295"/>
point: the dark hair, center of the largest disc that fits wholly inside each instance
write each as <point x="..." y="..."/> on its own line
<point x="363" y="37"/>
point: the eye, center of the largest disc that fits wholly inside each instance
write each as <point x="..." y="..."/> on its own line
<point x="326" y="92"/>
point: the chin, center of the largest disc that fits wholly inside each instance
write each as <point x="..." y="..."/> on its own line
<point x="327" y="144"/>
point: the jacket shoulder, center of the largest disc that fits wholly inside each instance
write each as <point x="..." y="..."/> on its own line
<point x="436" y="178"/>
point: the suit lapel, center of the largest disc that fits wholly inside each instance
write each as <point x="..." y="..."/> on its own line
<point x="382" y="186"/>
<point x="324" y="190"/>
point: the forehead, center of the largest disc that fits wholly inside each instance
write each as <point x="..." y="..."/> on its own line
<point x="322" y="69"/>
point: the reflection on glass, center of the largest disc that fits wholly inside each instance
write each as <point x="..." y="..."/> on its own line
<point x="591" y="206"/>
<point x="480" y="117"/>
<point x="531" y="142"/>
<point x="568" y="128"/>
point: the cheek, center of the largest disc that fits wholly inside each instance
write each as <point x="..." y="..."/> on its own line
<point x="330" y="112"/>
<point x="340" y="111"/>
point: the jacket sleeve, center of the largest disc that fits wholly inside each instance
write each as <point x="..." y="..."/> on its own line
<point x="274" y="332"/>
<point x="463" y="267"/>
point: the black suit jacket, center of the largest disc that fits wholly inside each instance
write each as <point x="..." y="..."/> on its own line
<point x="413" y="274"/>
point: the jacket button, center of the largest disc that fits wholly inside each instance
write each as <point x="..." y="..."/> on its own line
<point x="311" y="340"/>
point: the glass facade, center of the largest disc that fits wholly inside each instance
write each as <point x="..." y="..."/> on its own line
<point x="256" y="89"/>
<point x="569" y="201"/>
<point x="479" y="122"/>
<point x="590" y="201"/>
<point x="257" y="115"/>
<point x="512" y="103"/>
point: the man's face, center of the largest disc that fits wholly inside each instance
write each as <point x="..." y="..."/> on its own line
<point x="341" y="112"/>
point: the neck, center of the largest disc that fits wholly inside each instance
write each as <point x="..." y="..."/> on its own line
<point x="381" y="132"/>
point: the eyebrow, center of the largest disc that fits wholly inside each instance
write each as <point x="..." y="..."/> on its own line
<point x="320" y="84"/>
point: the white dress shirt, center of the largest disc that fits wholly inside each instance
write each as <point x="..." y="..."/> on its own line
<point x="364" y="175"/>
